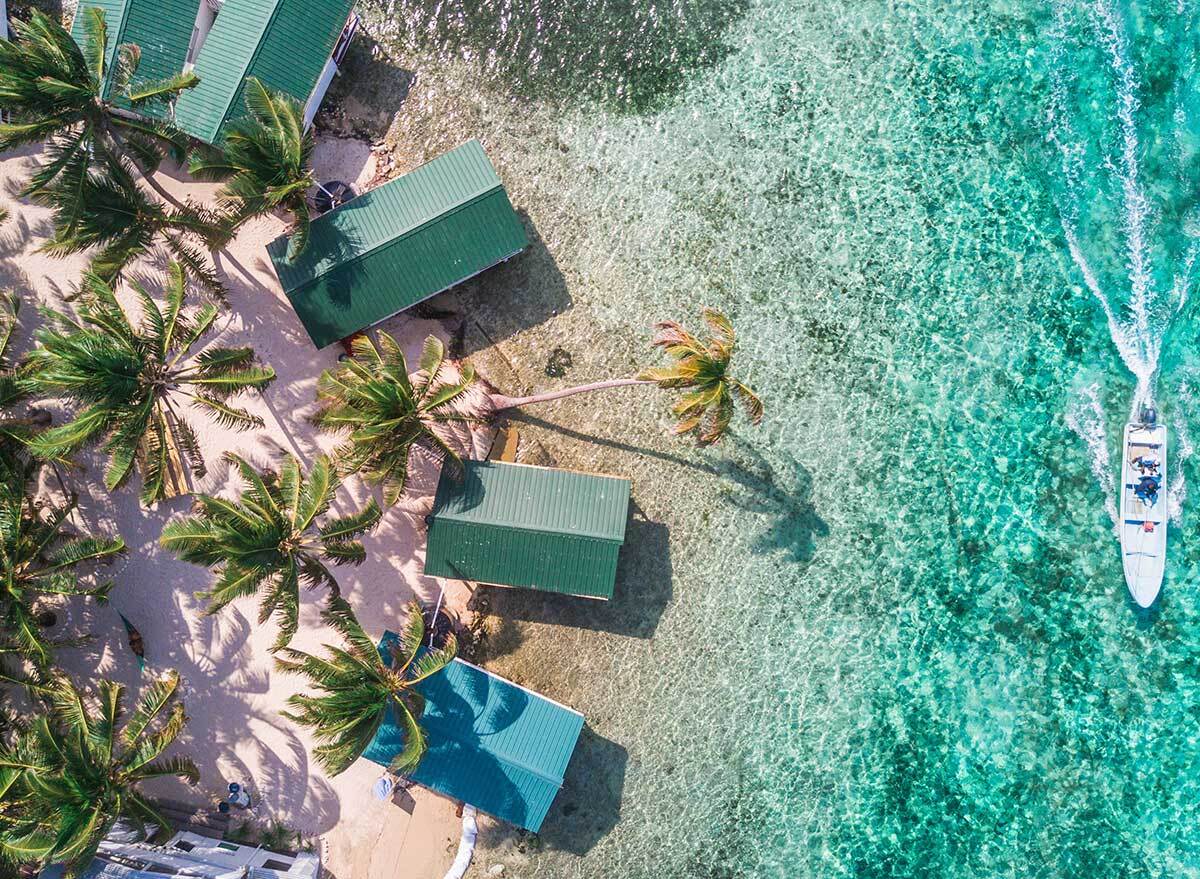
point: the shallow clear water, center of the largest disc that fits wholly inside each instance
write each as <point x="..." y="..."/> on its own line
<point x="886" y="634"/>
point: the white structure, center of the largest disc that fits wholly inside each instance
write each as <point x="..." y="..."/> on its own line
<point x="192" y="855"/>
<point x="205" y="16"/>
<point x="331" y="69"/>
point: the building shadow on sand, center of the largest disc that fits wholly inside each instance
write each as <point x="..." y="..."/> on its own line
<point x="522" y="293"/>
<point x="586" y="809"/>
<point x="643" y="590"/>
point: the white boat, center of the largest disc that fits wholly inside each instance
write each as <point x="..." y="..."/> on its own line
<point x="1144" y="507"/>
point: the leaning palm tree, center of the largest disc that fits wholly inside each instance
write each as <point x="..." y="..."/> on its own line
<point x="701" y="368"/>
<point x="360" y="689"/>
<point x="267" y="160"/>
<point x="76" y="771"/>
<point x="129" y="382"/>
<point x="40" y="555"/>
<point x="90" y="113"/>
<point x="269" y="541"/>
<point x="112" y="216"/>
<point x="388" y="413"/>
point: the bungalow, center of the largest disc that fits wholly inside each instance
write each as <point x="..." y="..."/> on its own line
<point x="390" y="248"/>
<point x="160" y="28"/>
<point x="492" y="744"/>
<point x="534" y="527"/>
<point x="293" y="46"/>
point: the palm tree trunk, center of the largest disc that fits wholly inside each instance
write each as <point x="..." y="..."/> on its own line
<point x="147" y="176"/>
<point x="500" y="402"/>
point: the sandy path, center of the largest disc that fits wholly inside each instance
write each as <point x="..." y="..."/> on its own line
<point x="233" y="694"/>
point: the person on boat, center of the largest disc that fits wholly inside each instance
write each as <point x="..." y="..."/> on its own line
<point x="1147" y="488"/>
<point x="1146" y="464"/>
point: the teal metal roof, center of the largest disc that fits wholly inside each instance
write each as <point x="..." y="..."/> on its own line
<point x="284" y="43"/>
<point x="536" y="527"/>
<point x="492" y="744"/>
<point x="396" y="245"/>
<point x="160" y="28"/>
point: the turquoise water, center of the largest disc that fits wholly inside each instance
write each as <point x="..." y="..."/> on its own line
<point x="886" y="634"/>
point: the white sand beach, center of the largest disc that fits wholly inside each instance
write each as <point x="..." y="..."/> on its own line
<point x="232" y="692"/>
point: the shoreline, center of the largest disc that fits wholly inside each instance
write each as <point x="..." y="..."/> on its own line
<point x="232" y="692"/>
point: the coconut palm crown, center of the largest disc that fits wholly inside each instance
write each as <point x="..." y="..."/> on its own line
<point x="359" y="689"/>
<point x="388" y="413"/>
<point x="269" y="541"/>
<point x="41" y="554"/>
<point x="266" y="159"/>
<point x="86" y="104"/>
<point x="701" y="369"/>
<point x="76" y="770"/>
<point x="130" y="382"/>
<point x="115" y="219"/>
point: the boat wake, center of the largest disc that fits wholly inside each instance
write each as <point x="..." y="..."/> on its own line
<point x="1137" y="265"/>
<point x="1085" y="417"/>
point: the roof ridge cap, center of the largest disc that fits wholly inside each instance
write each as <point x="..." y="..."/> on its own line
<point x="258" y="44"/>
<point x="458" y="206"/>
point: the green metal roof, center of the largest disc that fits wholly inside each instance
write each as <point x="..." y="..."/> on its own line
<point x="492" y="744"/>
<point x="536" y="527"/>
<point x="285" y="43"/>
<point x="396" y="245"/>
<point x="162" y="29"/>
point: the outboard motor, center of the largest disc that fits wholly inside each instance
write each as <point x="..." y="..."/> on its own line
<point x="1149" y="416"/>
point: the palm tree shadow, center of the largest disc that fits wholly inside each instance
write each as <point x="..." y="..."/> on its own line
<point x="780" y="495"/>
<point x="229" y="734"/>
<point x="786" y="503"/>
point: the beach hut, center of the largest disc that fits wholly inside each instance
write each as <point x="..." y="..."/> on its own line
<point x="535" y="527"/>
<point x="390" y="248"/>
<point x="160" y="28"/>
<point x="291" y="46"/>
<point x="492" y="744"/>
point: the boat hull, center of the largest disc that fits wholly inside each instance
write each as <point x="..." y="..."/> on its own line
<point x="1143" y="523"/>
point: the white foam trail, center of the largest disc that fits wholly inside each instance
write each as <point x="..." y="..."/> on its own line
<point x="1138" y="324"/>
<point x="1085" y="416"/>
<point x="1177" y="492"/>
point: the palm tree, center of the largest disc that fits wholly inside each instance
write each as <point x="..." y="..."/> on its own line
<point x="111" y="213"/>
<point x="267" y="160"/>
<point x="76" y="102"/>
<point x="360" y="689"/>
<point x="702" y="368"/>
<point x="40" y="555"/>
<point x="388" y="413"/>
<point x="67" y="780"/>
<point x="269" y="541"/>
<point x="16" y="431"/>
<point x="128" y="381"/>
